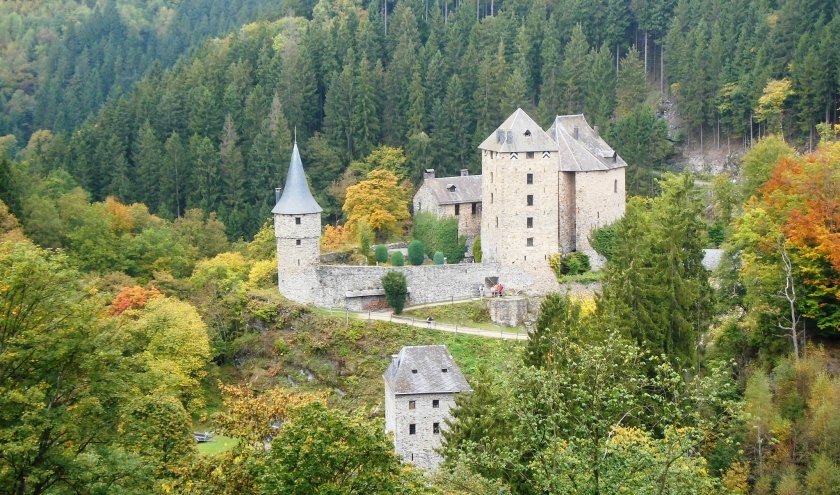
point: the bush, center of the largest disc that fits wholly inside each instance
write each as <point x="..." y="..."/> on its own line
<point x="439" y="234"/>
<point x="477" y="249"/>
<point x="415" y="253"/>
<point x="439" y="258"/>
<point x="396" y="290"/>
<point x="364" y="241"/>
<point x="604" y="240"/>
<point x="575" y="264"/>
<point x="381" y="253"/>
<point x="397" y="259"/>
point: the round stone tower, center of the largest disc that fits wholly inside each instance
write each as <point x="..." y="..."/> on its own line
<point x="297" y="227"/>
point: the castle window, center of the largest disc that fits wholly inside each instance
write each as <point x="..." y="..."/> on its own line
<point x="529" y="154"/>
<point x="529" y="242"/>
<point x="491" y="176"/>
<point x="457" y="210"/>
<point x="436" y="428"/>
<point x="413" y="372"/>
<point x="297" y="220"/>
<point x="474" y="208"/>
<point x="530" y="200"/>
<point x="412" y="404"/>
<point x="444" y="370"/>
<point x="435" y="403"/>
<point x="615" y="186"/>
<point x="491" y="198"/>
<point x="297" y="242"/>
<point x="412" y="429"/>
<point x="529" y="179"/>
<point x="529" y="222"/>
<point x="497" y="222"/>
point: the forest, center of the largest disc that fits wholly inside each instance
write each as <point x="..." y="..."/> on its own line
<point x="140" y="146"/>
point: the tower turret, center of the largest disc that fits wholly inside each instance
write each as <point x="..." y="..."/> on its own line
<point x="297" y="227"/>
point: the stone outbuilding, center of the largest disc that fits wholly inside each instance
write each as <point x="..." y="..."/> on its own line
<point x="420" y="388"/>
<point x="458" y="197"/>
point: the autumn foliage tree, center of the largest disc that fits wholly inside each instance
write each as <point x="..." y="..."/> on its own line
<point x="380" y="201"/>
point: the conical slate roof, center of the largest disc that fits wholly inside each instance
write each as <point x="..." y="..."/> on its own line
<point x="296" y="198"/>
<point x="519" y="133"/>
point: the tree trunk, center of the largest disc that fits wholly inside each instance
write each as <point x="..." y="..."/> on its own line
<point x="646" y="55"/>
<point x="662" y="68"/>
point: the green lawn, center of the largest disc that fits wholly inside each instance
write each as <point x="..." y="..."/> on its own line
<point x="219" y="444"/>
<point x="469" y="314"/>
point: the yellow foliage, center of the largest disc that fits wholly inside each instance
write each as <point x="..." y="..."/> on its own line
<point x="771" y="103"/>
<point x="123" y="220"/>
<point x="262" y="274"/>
<point x="225" y="269"/>
<point x="333" y="237"/>
<point x="378" y="201"/>
<point x="735" y="479"/>
<point x="250" y="415"/>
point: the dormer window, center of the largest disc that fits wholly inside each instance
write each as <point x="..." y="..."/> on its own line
<point x="527" y="133"/>
<point x="451" y="187"/>
<point x="413" y="372"/>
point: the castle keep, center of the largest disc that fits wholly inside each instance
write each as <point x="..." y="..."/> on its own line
<point x="540" y="193"/>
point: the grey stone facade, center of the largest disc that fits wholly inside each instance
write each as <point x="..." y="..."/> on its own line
<point x="418" y="397"/>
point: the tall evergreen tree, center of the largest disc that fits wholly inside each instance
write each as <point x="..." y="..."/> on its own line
<point x="575" y="72"/>
<point x="365" y="121"/>
<point x="205" y="170"/>
<point x="147" y="158"/>
<point x="174" y="179"/>
<point x="632" y="87"/>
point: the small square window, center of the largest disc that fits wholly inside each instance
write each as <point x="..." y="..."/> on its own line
<point x="529" y="242"/>
<point x="414" y="372"/>
<point x="412" y="404"/>
<point x="457" y="210"/>
<point x="412" y="429"/>
<point x="444" y="370"/>
<point x="297" y="242"/>
<point x="529" y="154"/>
<point x="530" y="200"/>
<point x="436" y="428"/>
<point x="297" y="220"/>
<point x="529" y="222"/>
<point x="474" y="208"/>
<point x="529" y="179"/>
<point x="435" y="403"/>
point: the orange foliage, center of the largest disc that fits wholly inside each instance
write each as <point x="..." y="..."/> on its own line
<point x="333" y="237"/>
<point x="133" y="298"/>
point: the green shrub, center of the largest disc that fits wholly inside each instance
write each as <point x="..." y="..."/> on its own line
<point x="397" y="259"/>
<point x="364" y="241"/>
<point x="415" y="253"/>
<point x="395" y="290"/>
<point x="555" y="261"/>
<point x="575" y="264"/>
<point x="381" y="253"/>
<point x="439" y="234"/>
<point x="477" y="249"/>
<point x="604" y="240"/>
<point x="439" y="258"/>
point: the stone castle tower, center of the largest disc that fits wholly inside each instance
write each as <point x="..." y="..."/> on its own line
<point x="543" y="192"/>
<point x="297" y="227"/>
<point x="520" y="221"/>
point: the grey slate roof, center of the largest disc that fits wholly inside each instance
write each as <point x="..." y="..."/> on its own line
<point x="467" y="189"/>
<point x="517" y="134"/>
<point x="296" y="198"/>
<point x="588" y="152"/>
<point x="712" y="258"/>
<point x="428" y="361"/>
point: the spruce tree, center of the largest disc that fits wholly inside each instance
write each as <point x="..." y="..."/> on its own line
<point x="575" y="72"/>
<point x="632" y="88"/>
<point x="148" y="160"/>
<point x="365" y="121"/>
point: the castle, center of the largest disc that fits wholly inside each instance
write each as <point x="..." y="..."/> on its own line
<point x="541" y="193"/>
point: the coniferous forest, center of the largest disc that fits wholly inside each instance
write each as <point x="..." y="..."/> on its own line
<point x="141" y="142"/>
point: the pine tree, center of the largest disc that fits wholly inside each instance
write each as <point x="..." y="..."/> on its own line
<point x="233" y="176"/>
<point x="338" y="111"/>
<point x="632" y="88"/>
<point x="488" y="95"/>
<point x="601" y="90"/>
<point x="148" y="160"/>
<point x="575" y="72"/>
<point x="365" y="120"/>
<point x="173" y="177"/>
<point x="205" y="170"/>
<point x="416" y="117"/>
<point x="551" y="89"/>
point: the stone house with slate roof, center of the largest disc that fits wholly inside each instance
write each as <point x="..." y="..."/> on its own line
<point x="420" y="388"/>
<point x="458" y="197"/>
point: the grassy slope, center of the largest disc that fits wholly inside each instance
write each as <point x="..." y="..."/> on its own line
<point x="316" y="351"/>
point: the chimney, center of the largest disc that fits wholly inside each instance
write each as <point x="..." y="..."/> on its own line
<point x="576" y="132"/>
<point x="276" y="195"/>
<point x="465" y="172"/>
<point x="429" y="173"/>
<point x="597" y="131"/>
<point x="395" y="360"/>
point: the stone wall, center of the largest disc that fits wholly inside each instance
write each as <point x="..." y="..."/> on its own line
<point x="419" y="447"/>
<point x="507" y="311"/>
<point x="600" y="199"/>
<point x="425" y="200"/>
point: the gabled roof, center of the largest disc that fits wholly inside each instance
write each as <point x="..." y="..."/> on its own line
<point x="519" y="133"/>
<point x="296" y="198"/>
<point x="467" y="189"/>
<point x="588" y="152"/>
<point x="419" y="370"/>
